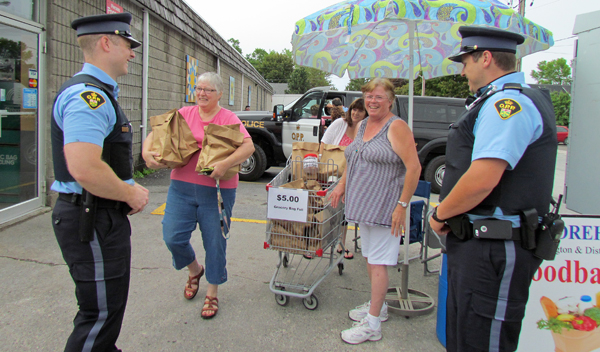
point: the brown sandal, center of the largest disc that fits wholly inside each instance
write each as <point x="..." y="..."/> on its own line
<point x="210" y="308"/>
<point x="189" y="292"/>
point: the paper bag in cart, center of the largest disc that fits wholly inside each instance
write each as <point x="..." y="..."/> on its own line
<point x="219" y="142"/>
<point x="332" y="163"/>
<point x="172" y="139"/>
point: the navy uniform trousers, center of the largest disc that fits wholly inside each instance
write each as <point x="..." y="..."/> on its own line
<point x="100" y="270"/>
<point x="488" y="288"/>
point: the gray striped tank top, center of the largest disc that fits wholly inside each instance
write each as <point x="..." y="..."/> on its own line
<point x="374" y="178"/>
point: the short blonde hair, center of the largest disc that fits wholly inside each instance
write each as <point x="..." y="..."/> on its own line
<point x="87" y="42"/>
<point x="384" y="83"/>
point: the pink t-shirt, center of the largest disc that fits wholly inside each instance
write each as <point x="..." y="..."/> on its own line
<point x="188" y="172"/>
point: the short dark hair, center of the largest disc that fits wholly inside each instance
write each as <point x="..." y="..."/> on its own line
<point x="505" y="61"/>
<point x="337" y="102"/>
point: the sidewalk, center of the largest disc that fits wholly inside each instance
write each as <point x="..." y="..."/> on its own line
<point x="37" y="303"/>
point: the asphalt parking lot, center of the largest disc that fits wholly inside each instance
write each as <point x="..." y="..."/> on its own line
<point x="37" y="303"/>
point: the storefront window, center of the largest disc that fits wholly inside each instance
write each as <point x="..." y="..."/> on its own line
<point x="21" y="8"/>
<point x="18" y="115"/>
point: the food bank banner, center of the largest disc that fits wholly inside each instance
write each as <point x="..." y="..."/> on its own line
<point x="563" y="311"/>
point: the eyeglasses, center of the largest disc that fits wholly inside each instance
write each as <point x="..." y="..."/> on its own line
<point x="205" y="90"/>
<point x="376" y="97"/>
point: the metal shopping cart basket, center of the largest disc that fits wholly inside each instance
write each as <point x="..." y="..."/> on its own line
<point x="302" y="222"/>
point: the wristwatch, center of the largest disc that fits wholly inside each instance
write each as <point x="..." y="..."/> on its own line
<point x="403" y="204"/>
<point x="435" y="217"/>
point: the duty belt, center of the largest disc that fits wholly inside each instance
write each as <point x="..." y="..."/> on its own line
<point x="75" y="198"/>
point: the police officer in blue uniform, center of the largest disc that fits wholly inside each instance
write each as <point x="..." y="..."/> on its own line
<point x="500" y="162"/>
<point x="91" y="148"/>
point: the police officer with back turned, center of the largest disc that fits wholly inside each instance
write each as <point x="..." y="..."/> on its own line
<point x="93" y="164"/>
<point x="500" y="162"/>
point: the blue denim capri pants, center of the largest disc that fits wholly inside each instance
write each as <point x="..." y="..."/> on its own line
<point x="189" y="204"/>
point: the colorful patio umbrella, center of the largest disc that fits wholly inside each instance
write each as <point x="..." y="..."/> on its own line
<point x="371" y="38"/>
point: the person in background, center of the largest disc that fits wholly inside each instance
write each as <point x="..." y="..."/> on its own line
<point x="93" y="164"/>
<point x="247" y="108"/>
<point x="338" y="102"/>
<point x="192" y="198"/>
<point x="500" y="163"/>
<point x="379" y="181"/>
<point x="342" y="132"/>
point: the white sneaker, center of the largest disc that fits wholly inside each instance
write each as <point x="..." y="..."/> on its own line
<point x="360" y="312"/>
<point x="361" y="332"/>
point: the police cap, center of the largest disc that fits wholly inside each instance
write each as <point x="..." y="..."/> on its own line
<point x="476" y="38"/>
<point x="116" y="23"/>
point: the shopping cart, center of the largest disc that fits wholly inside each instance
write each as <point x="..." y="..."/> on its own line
<point x="297" y="235"/>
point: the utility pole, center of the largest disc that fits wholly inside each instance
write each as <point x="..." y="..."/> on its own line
<point x="522" y="13"/>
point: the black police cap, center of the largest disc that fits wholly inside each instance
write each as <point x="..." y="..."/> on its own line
<point x="476" y="38"/>
<point x="116" y="23"/>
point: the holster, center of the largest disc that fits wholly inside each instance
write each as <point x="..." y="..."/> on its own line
<point x="529" y="225"/>
<point x="461" y="226"/>
<point x="548" y="236"/>
<point x="87" y="216"/>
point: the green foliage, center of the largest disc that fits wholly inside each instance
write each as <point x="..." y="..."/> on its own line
<point x="273" y="66"/>
<point x="454" y="86"/>
<point x="298" y="83"/>
<point x="552" y="72"/>
<point x="235" y="44"/>
<point x="562" y="107"/>
<point x="356" y="84"/>
<point x="141" y="174"/>
<point x="257" y="57"/>
<point x="317" y="78"/>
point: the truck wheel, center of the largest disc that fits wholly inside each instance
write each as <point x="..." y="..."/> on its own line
<point x="434" y="173"/>
<point x="253" y="168"/>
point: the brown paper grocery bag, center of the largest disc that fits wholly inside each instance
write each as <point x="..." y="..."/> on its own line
<point x="331" y="155"/>
<point x="172" y="139"/>
<point x="299" y="150"/>
<point x="219" y="142"/>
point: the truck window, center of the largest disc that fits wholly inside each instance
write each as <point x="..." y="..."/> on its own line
<point x="302" y="109"/>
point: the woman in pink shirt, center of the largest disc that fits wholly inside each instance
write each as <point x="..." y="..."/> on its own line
<point x="192" y="198"/>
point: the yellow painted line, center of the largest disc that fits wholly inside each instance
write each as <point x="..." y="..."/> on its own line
<point x="249" y="220"/>
<point x="160" y="210"/>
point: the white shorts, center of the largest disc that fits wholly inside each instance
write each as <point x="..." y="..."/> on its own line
<point x="378" y="245"/>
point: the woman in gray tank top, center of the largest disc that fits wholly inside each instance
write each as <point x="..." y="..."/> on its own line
<point x="380" y="178"/>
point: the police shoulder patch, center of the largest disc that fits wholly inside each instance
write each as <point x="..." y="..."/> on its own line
<point x="507" y="108"/>
<point x="92" y="99"/>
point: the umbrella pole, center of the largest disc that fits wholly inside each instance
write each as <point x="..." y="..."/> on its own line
<point x="411" y="68"/>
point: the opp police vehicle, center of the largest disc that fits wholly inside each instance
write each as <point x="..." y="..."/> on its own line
<point x="274" y="132"/>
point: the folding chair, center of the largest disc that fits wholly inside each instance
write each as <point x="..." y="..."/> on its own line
<point x="431" y="241"/>
<point x="418" y="217"/>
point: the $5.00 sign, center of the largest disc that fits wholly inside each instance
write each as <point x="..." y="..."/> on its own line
<point x="287" y="204"/>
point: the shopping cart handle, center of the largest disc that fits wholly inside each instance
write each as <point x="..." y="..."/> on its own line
<point x="322" y="193"/>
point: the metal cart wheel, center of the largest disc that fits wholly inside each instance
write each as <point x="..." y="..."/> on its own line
<point x="282" y="300"/>
<point x="340" y="268"/>
<point x="285" y="260"/>
<point x="311" y="302"/>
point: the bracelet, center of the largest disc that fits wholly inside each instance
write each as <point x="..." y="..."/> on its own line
<point x="434" y="216"/>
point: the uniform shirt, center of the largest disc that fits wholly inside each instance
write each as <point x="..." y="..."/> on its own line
<point x="506" y="139"/>
<point x="188" y="172"/>
<point x="80" y="123"/>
